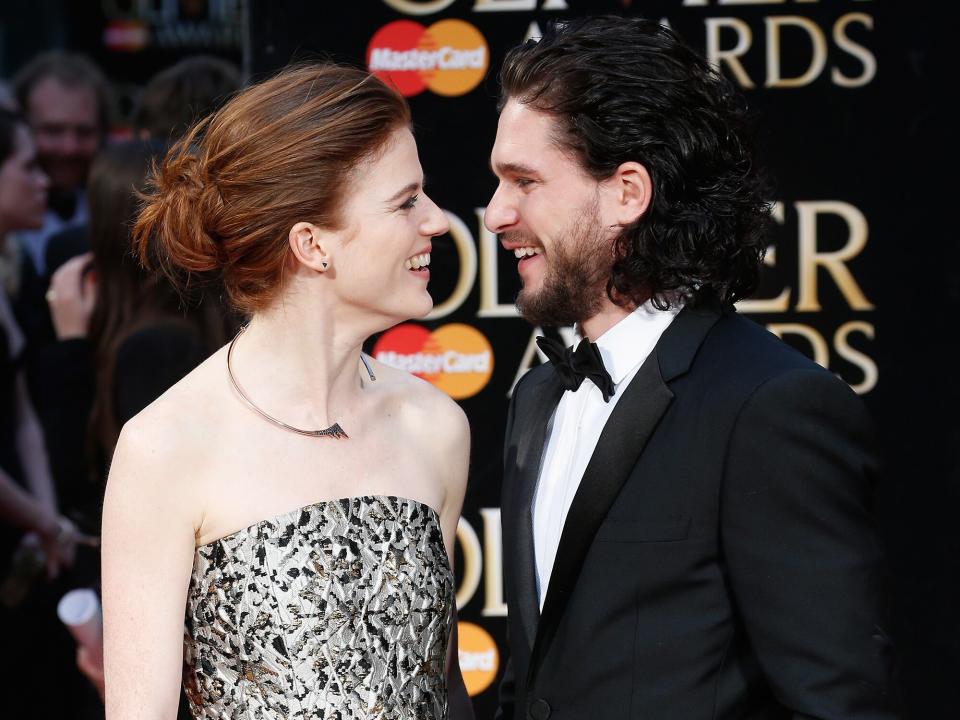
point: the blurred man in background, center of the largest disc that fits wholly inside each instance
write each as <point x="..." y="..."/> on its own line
<point x="67" y="102"/>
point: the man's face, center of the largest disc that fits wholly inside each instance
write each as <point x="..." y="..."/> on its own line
<point x="550" y="214"/>
<point x="67" y="131"/>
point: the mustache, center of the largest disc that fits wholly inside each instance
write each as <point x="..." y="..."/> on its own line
<point x="520" y="237"/>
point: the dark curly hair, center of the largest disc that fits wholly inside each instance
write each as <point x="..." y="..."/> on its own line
<point x="628" y="89"/>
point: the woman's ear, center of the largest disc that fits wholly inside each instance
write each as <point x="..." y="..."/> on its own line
<point x="310" y="247"/>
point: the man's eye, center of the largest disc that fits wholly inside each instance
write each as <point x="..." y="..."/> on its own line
<point x="408" y="205"/>
<point x="523" y="182"/>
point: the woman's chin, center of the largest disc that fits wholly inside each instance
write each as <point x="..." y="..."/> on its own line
<point x="425" y="309"/>
<point x="413" y="309"/>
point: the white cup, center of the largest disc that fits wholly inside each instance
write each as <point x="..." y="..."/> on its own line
<point x="80" y="611"/>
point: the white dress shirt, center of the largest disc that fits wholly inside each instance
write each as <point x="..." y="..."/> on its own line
<point x="576" y="426"/>
<point x="34" y="242"/>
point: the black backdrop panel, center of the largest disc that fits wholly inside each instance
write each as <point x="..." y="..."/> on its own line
<point x="861" y="276"/>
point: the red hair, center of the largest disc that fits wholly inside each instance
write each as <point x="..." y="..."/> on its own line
<point x="280" y="152"/>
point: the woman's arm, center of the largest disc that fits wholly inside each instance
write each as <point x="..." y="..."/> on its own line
<point x="31" y="449"/>
<point x="58" y="536"/>
<point x="19" y="508"/>
<point x="148" y="548"/>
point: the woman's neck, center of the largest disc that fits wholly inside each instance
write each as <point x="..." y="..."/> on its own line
<point x="301" y="366"/>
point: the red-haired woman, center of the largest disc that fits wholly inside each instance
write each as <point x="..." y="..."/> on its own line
<point x="296" y="498"/>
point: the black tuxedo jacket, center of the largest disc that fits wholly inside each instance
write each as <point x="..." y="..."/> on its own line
<point x="719" y="558"/>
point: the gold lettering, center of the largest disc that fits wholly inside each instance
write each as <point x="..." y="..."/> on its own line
<point x="858" y="51"/>
<point x="472" y="562"/>
<point x="533" y="31"/>
<point x="716" y="56"/>
<point x="810" y="259"/>
<point x="490" y="306"/>
<point x="866" y="364"/>
<point x="493" y="605"/>
<point x="526" y="362"/>
<point x="517" y="5"/>
<point x="467" y="253"/>
<point x="781" y="303"/>
<point x="817" y="62"/>
<point x="411" y="7"/>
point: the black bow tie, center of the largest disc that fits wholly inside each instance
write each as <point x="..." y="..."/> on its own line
<point x="572" y="366"/>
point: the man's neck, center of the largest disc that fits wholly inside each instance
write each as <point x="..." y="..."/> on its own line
<point x="608" y="316"/>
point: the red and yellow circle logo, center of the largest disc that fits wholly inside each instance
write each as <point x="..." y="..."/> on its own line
<point x="478" y="655"/>
<point x="456" y="358"/>
<point x="450" y="57"/>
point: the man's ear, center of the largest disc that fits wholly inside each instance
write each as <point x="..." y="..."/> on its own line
<point x="310" y="247"/>
<point x="630" y="191"/>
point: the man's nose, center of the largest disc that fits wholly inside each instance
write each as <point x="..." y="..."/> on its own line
<point x="500" y="214"/>
<point x="70" y="143"/>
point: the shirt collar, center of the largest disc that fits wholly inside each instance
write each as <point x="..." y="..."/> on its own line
<point x="628" y="343"/>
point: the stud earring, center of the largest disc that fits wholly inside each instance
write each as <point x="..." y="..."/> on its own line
<point x="324" y="264"/>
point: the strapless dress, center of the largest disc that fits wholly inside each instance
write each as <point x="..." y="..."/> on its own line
<point x="337" y="610"/>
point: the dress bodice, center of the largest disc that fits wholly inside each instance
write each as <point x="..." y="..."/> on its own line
<point x="340" y="609"/>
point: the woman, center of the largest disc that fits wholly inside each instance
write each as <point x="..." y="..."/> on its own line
<point x="299" y="499"/>
<point x="30" y="506"/>
<point x="35" y="539"/>
<point x="124" y="334"/>
<point x="123" y="339"/>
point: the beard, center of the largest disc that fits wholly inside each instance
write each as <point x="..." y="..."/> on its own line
<point x="574" y="282"/>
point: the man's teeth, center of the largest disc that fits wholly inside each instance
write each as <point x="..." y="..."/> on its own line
<point x="417" y="261"/>
<point x="526" y="252"/>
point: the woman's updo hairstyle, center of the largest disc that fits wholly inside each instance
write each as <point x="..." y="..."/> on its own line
<point x="280" y="152"/>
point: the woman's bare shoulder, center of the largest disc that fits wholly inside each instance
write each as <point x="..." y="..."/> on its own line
<point x="428" y="416"/>
<point x="417" y="397"/>
<point x="180" y="423"/>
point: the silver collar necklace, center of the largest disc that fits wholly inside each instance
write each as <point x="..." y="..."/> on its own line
<point x="334" y="431"/>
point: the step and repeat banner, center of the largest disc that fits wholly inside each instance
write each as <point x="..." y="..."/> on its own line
<point x="833" y="287"/>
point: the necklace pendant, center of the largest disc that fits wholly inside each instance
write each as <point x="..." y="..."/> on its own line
<point x="334" y="431"/>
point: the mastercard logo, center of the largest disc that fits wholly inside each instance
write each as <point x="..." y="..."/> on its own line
<point x="450" y="57"/>
<point x="456" y="358"/>
<point x="126" y="36"/>
<point x="478" y="655"/>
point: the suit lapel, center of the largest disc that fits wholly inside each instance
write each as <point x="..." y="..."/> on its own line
<point x="532" y="436"/>
<point x="618" y="449"/>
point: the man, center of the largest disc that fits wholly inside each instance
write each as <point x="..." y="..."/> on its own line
<point x="67" y="103"/>
<point x="685" y="502"/>
<point x="181" y="94"/>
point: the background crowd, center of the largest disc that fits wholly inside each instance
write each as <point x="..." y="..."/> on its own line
<point x="87" y="337"/>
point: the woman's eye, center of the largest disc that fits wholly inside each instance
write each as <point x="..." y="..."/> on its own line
<point x="408" y="205"/>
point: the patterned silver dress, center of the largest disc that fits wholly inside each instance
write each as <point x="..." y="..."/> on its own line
<point x="337" y="610"/>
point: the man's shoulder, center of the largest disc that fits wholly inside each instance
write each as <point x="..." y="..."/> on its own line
<point x="531" y="379"/>
<point x="744" y="347"/>
<point x="742" y="360"/>
<point x="64" y="244"/>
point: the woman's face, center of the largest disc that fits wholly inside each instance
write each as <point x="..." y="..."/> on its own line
<point x="23" y="185"/>
<point x="383" y="260"/>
